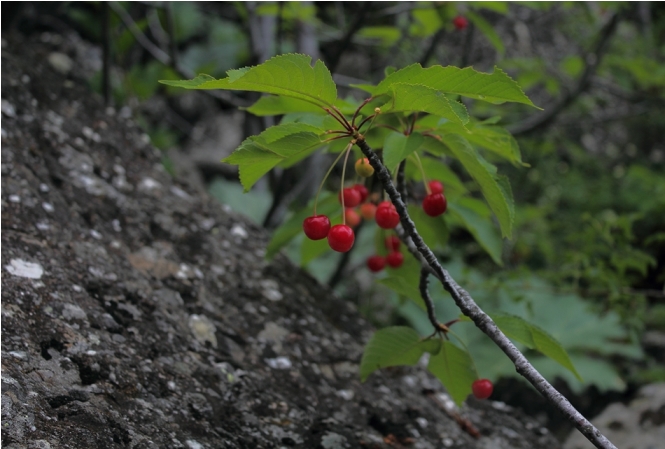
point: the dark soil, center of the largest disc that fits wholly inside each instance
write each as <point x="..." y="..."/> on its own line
<point x="139" y="313"/>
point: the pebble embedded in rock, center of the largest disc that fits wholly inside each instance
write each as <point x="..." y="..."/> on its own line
<point x="25" y="269"/>
<point x="203" y="329"/>
<point x="239" y="231"/>
<point x="279" y="363"/>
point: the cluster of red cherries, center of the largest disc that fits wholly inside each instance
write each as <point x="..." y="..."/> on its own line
<point x="341" y="237"/>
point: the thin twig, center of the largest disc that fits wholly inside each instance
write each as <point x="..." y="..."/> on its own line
<point x="592" y="61"/>
<point x="429" y="304"/>
<point x="165" y="59"/>
<point x="469" y="308"/>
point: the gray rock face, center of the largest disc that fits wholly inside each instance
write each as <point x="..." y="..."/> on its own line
<point x="638" y="425"/>
<point x="137" y="313"/>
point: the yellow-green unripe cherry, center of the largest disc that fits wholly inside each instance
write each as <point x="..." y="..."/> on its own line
<point x="363" y="168"/>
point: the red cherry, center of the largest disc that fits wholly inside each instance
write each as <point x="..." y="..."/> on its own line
<point x="341" y="238"/>
<point x="368" y="210"/>
<point x="351" y="217"/>
<point x="435" y="187"/>
<point x="376" y="263"/>
<point x="482" y="388"/>
<point x="435" y="204"/>
<point x="316" y="227"/>
<point x="386" y="215"/>
<point x="351" y="197"/>
<point x="362" y="190"/>
<point x="395" y="259"/>
<point x="392" y="243"/>
<point x="460" y="22"/>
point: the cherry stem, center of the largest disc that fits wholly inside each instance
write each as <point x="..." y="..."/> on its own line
<point x="341" y="191"/>
<point x="318" y="192"/>
<point x="371" y="117"/>
<point x="337" y="115"/>
<point x="355" y="115"/>
<point x="422" y="171"/>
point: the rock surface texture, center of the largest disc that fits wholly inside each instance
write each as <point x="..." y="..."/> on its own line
<point x="137" y="313"/>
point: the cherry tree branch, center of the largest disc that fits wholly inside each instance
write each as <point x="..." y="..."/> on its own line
<point x="469" y="308"/>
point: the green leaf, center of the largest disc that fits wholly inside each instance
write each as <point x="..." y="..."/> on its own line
<point x="480" y="227"/>
<point x="398" y="147"/>
<point x="404" y="287"/>
<point x="495" y="188"/>
<point x="494" y="138"/>
<point x="454" y="368"/>
<point x="290" y="75"/>
<point x="433" y="230"/>
<point x="278" y="105"/>
<point x="393" y="346"/>
<point x="530" y="335"/>
<point x="257" y="155"/>
<point x="496" y="87"/>
<point x="293" y="226"/>
<point x="436" y="169"/>
<point x="418" y="98"/>
<point x="488" y="30"/>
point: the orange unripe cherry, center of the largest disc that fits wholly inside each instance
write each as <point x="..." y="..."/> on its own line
<point x="363" y="168"/>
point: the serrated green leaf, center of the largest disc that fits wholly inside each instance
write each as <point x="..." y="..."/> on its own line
<point x="454" y="368"/>
<point x="290" y="228"/>
<point x="278" y="105"/>
<point x="419" y="98"/>
<point x="480" y="227"/>
<point x="398" y="147"/>
<point x="436" y="169"/>
<point x="494" y="138"/>
<point x="494" y="187"/>
<point x="394" y="346"/>
<point x="496" y="87"/>
<point x="281" y="105"/>
<point x="532" y="336"/>
<point x="290" y="75"/>
<point x="257" y="155"/>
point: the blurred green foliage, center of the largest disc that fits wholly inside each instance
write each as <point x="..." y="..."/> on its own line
<point x="587" y="262"/>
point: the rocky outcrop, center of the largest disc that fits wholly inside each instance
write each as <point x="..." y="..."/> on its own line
<point x="138" y="313"/>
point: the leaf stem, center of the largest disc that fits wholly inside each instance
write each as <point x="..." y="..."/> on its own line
<point x="467" y="305"/>
<point x="337" y="115"/>
<point x="355" y="115"/>
<point x="318" y="192"/>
